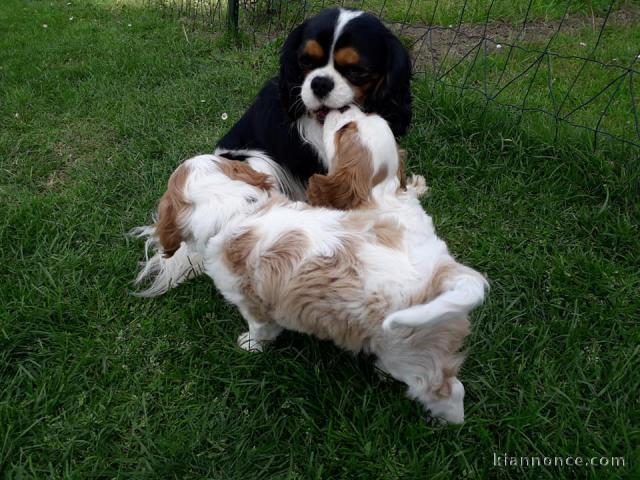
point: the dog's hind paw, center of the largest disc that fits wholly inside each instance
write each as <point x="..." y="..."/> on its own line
<point x="249" y="344"/>
<point x="417" y="185"/>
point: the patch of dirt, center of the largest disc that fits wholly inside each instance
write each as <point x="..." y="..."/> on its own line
<point x="429" y="45"/>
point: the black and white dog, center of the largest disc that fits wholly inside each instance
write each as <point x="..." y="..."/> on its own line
<point x="337" y="58"/>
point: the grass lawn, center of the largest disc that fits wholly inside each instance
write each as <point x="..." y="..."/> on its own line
<point x="421" y="11"/>
<point x="99" y="107"/>
<point x="452" y="11"/>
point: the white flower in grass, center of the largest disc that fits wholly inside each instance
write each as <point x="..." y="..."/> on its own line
<point x="582" y="44"/>
<point x="128" y="24"/>
<point x="44" y="25"/>
<point x="224" y="116"/>
<point x="202" y="101"/>
<point x="498" y="46"/>
<point x="70" y="18"/>
<point x="17" y="115"/>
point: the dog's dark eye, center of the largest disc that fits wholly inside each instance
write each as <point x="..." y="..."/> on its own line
<point x="356" y="75"/>
<point x="307" y="63"/>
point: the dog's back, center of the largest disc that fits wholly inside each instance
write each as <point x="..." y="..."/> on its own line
<point x="341" y="276"/>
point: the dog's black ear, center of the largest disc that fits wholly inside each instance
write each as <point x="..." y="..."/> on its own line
<point x="392" y="97"/>
<point x="290" y="82"/>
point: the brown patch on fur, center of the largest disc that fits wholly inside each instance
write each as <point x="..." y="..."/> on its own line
<point x="171" y="209"/>
<point x="356" y="221"/>
<point x="438" y="347"/>
<point x="448" y="338"/>
<point x="380" y="175"/>
<point x="384" y="231"/>
<point x="348" y="184"/>
<point x="283" y="256"/>
<point x="324" y="298"/>
<point x="256" y="307"/>
<point x="262" y="281"/>
<point x="402" y="161"/>
<point x="321" y="296"/>
<point x="237" y="249"/>
<point x="435" y="285"/>
<point x="242" y="171"/>
<point x="440" y="275"/>
<point x="314" y="49"/>
<point x="346" y="56"/>
<point x="277" y="200"/>
<point x="389" y="233"/>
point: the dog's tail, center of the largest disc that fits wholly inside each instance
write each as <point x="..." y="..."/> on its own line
<point x="163" y="271"/>
<point x="175" y="257"/>
<point x="203" y="194"/>
<point x="459" y="290"/>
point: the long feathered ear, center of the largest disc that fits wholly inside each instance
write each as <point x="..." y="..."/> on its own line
<point x="392" y="97"/>
<point x="290" y="81"/>
<point x="171" y="210"/>
<point x="349" y="182"/>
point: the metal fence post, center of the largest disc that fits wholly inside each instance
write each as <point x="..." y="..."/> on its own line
<point x="232" y="16"/>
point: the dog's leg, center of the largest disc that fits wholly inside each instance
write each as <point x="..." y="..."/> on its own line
<point x="259" y="334"/>
<point x="382" y="371"/>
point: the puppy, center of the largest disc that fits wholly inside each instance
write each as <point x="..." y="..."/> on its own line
<point x="332" y="60"/>
<point x="375" y="278"/>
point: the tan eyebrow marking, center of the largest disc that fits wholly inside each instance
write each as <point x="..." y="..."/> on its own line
<point x="242" y="171"/>
<point x="314" y="49"/>
<point x="347" y="56"/>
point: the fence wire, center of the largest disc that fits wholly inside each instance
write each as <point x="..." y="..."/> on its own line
<point x="575" y="62"/>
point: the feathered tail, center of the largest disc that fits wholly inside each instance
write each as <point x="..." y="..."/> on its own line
<point x="164" y="272"/>
<point x="461" y="292"/>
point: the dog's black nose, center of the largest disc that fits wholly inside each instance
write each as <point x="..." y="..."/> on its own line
<point x="321" y="86"/>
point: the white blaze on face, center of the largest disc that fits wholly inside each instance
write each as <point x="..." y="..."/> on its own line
<point x="341" y="94"/>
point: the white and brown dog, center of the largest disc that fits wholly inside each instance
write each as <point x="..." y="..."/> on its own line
<point x="374" y="278"/>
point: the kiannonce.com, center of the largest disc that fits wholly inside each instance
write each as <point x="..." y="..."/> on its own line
<point x="506" y="460"/>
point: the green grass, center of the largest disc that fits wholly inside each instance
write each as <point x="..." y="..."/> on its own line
<point x="420" y="11"/>
<point x="266" y="13"/>
<point x="585" y="93"/>
<point x="96" y="383"/>
<point x="452" y="11"/>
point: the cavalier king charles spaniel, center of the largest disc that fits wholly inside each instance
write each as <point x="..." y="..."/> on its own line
<point x="335" y="59"/>
<point x="360" y="264"/>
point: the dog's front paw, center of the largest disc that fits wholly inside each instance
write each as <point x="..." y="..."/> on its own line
<point x="249" y="344"/>
<point x="417" y="185"/>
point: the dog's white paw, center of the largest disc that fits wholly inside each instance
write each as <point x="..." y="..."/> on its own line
<point x="249" y="344"/>
<point x="417" y="185"/>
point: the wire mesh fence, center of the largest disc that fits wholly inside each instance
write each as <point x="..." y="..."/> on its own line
<point x="571" y="63"/>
